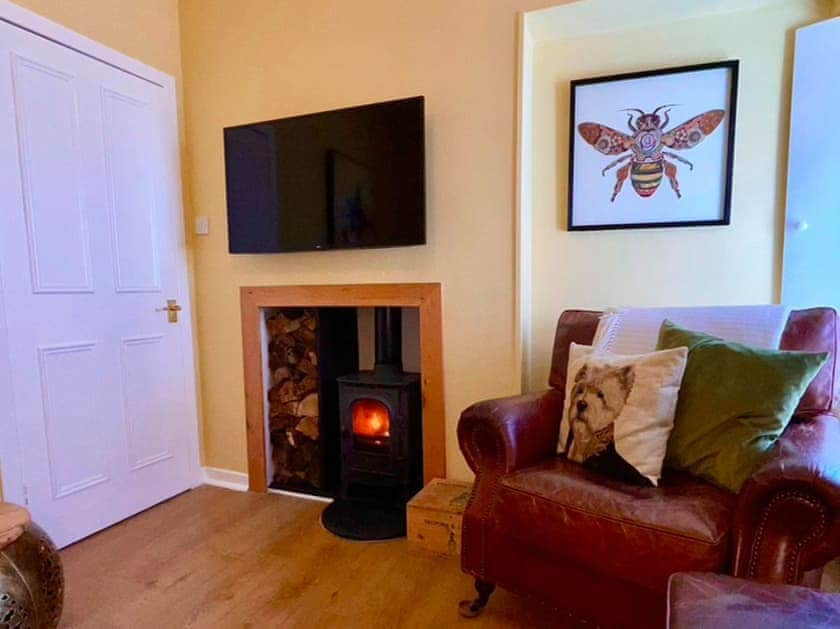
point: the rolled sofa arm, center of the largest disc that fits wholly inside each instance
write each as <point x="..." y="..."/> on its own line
<point x="507" y="434"/>
<point x="787" y="520"/>
<point x="497" y="437"/>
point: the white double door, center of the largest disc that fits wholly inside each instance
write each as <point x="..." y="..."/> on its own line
<point x="91" y="247"/>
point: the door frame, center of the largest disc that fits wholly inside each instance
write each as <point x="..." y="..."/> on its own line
<point x="13" y="482"/>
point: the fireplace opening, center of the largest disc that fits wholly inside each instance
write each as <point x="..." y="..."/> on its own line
<point x="344" y="411"/>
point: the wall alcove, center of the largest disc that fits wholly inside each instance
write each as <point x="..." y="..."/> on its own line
<point x="558" y="269"/>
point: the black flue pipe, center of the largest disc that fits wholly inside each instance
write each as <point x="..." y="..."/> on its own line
<point x="388" y="339"/>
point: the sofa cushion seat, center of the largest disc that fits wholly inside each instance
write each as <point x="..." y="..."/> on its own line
<point x="643" y="534"/>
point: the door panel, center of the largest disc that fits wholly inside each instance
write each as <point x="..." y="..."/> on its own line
<point x="129" y="129"/>
<point x="48" y="140"/>
<point x="73" y="418"/>
<point x="99" y="377"/>
<point x="812" y="234"/>
<point x="148" y="399"/>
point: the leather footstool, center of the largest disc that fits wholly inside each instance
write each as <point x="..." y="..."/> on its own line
<point x="701" y="600"/>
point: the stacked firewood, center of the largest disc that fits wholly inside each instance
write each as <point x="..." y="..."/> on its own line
<point x="293" y="398"/>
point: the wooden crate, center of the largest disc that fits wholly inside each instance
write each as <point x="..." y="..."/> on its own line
<point x="434" y="516"/>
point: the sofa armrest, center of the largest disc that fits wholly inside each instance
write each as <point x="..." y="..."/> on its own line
<point x="497" y="437"/>
<point x="787" y="520"/>
<point x="507" y="434"/>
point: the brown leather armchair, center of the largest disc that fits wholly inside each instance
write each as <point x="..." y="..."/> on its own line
<point x="540" y="525"/>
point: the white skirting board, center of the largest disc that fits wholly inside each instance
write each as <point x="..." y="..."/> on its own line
<point x="238" y="481"/>
<point x="228" y="479"/>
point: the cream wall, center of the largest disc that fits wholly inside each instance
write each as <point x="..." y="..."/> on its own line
<point x="261" y="59"/>
<point x="735" y="264"/>
<point x="144" y="29"/>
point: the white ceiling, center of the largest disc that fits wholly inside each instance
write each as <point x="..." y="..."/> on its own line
<point x="589" y="17"/>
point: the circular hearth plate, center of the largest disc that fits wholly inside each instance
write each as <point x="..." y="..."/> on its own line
<point x="359" y="520"/>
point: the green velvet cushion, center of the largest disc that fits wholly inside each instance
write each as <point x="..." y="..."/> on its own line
<point x="734" y="402"/>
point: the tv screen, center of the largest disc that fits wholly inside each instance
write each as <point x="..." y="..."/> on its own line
<point x="343" y="179"/>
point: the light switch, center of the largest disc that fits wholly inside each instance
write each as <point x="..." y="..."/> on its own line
<point x="202" y="225"/>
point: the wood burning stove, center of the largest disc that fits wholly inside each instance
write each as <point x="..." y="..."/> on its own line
<point x="381" y="441"/>
<point x="380" y="438"/>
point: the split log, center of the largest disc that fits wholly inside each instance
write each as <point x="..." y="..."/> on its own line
<point x="308" y="406"/>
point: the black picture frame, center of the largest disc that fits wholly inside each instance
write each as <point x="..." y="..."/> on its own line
<point x="732" y="65"/>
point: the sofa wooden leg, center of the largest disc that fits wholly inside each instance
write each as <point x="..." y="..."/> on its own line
<point x="471" y="609"/>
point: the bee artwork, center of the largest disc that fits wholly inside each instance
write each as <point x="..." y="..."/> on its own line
<point x="648" y="149"/>
<point x="652" y="149"/>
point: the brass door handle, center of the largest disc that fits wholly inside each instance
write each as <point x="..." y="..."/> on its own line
<point x="172" y="309"/>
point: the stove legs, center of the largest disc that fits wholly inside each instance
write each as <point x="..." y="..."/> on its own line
<point x="471" y="609"/>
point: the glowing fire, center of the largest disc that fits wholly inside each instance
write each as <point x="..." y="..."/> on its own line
<point x="371" y="420"/>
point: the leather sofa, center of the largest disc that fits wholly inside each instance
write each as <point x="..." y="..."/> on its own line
<point x="600" y="550"/>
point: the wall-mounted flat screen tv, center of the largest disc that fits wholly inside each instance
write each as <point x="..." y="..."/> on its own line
<point x="343" y="179"/>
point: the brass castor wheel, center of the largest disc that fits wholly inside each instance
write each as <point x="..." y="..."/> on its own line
<point x="471" y="609"/>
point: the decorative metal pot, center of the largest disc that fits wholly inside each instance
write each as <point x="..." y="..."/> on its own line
<point x="31" y="582"/>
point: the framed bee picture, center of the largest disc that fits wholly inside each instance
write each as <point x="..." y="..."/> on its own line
<point x="653" y="149"/>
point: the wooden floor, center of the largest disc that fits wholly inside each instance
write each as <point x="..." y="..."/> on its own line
<point x="218" y="558"/>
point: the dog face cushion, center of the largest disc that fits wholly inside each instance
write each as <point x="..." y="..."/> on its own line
<point x="619" y="411"/>
<point x="597" y="398"/>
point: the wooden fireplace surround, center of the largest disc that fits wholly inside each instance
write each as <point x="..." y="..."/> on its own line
<point x="426" y="297"/>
